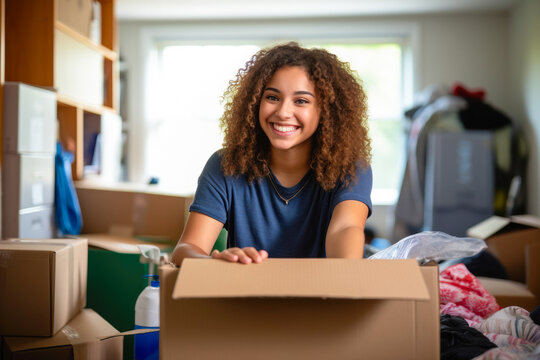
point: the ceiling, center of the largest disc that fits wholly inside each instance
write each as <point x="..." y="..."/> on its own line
<point x="243" y="9"/>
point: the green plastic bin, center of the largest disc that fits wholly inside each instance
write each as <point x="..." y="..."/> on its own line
<point x="115" y="280"/>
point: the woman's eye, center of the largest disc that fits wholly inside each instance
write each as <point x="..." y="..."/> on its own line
<point x="301" y="101"/>
<point x="272" y="98"/>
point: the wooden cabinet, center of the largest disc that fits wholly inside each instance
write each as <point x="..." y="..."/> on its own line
<point x="46" y="46"/>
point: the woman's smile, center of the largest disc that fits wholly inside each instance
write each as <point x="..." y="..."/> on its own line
<point x="283" y="129"/>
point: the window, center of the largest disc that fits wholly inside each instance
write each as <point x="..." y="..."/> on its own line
<point x="186" y="107"/>
<point x="379" y="66"/>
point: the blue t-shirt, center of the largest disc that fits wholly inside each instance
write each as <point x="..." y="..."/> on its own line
<point x="254" y="215"/>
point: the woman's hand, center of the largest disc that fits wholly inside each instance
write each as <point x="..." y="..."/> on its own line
<point x="246" y="255"/>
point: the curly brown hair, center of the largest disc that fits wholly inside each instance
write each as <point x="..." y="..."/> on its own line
<point x="341" y="141"/>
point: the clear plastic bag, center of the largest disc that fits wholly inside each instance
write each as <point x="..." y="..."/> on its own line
<point x="432" y="245"/>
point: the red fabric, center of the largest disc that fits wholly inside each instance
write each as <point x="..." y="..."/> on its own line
<point x="458" y="286"/>
<point x="460" y="90"/>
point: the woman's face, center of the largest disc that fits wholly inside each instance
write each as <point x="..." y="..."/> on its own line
<point x="289" y="111"/>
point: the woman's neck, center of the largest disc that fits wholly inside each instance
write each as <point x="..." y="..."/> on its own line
<point x="290" y="166"/>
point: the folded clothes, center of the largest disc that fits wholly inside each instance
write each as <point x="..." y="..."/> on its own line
<point x="465" y="305"/>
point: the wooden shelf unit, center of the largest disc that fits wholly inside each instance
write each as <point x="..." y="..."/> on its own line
<point x="2" y="72"/>
<point x="41" y="50"/>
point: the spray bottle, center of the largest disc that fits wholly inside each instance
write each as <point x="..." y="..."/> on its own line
<point x="147" y="308"/>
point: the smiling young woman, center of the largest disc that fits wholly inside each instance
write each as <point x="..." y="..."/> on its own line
<point x="293" y="178"/>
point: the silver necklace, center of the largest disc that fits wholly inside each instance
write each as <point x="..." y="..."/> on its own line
<point x="281" y="197"/>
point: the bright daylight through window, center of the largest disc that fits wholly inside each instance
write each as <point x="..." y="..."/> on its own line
<point x="186" y="107"/>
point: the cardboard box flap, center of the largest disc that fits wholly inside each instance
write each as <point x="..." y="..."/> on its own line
<point x="495" y="224"/>
<point x="88" y="326"/>
<point x="129" y="333"/>
<point x="29" y="246"/>
<point x="321" y="278"/>
<point x="529" y="220"/>
<point x="488" y="227"/>
<point x="120" y="244"/>
<point x="53" y="245"/>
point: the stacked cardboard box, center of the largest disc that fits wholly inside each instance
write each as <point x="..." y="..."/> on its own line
<point x="300" y="309"/>
<point x="515" y="241"/>
<point x="42" y="300"/>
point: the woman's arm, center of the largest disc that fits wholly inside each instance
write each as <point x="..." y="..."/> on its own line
<point x="197" y="240"/>
<point x="200" y="234"/>
<point x="345" y="234"/>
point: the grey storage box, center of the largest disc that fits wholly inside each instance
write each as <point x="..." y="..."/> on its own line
<point x="459" y="181"/>
<point x="29" y="119"/>
<point x="33" y="223"/>
<point x="28" y="199"/>
<point x="29" y="144"/>
<point x="30" y="180"/>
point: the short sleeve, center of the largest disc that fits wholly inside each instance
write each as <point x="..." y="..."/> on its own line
<point x="211" y="195"/>
<point x="359" y="190"/>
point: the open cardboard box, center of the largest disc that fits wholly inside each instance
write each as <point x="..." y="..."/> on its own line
<point x="299" y="309"/>
<point x="515" y="241"/>
<point x="87" y="336"/>
<point x="122" y="244"/>
<point x="42" y="284"/>
<point x="132" y="212"/>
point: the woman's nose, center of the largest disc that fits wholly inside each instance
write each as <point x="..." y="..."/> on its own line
<point x="285" y="110"/>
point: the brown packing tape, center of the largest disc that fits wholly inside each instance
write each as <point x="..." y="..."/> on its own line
<point x="87" y="351"/>
<point x="82" y="350"/>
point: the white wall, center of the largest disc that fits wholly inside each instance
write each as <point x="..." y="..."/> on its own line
<point x="472" y="49"/>
<point x="525" y="87"/>
<point x="468" y="48"/>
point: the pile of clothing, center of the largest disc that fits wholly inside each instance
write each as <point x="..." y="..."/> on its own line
<point x="473" y="325"/>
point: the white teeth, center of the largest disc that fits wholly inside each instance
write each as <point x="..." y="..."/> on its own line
<point x="284" y="128"/>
